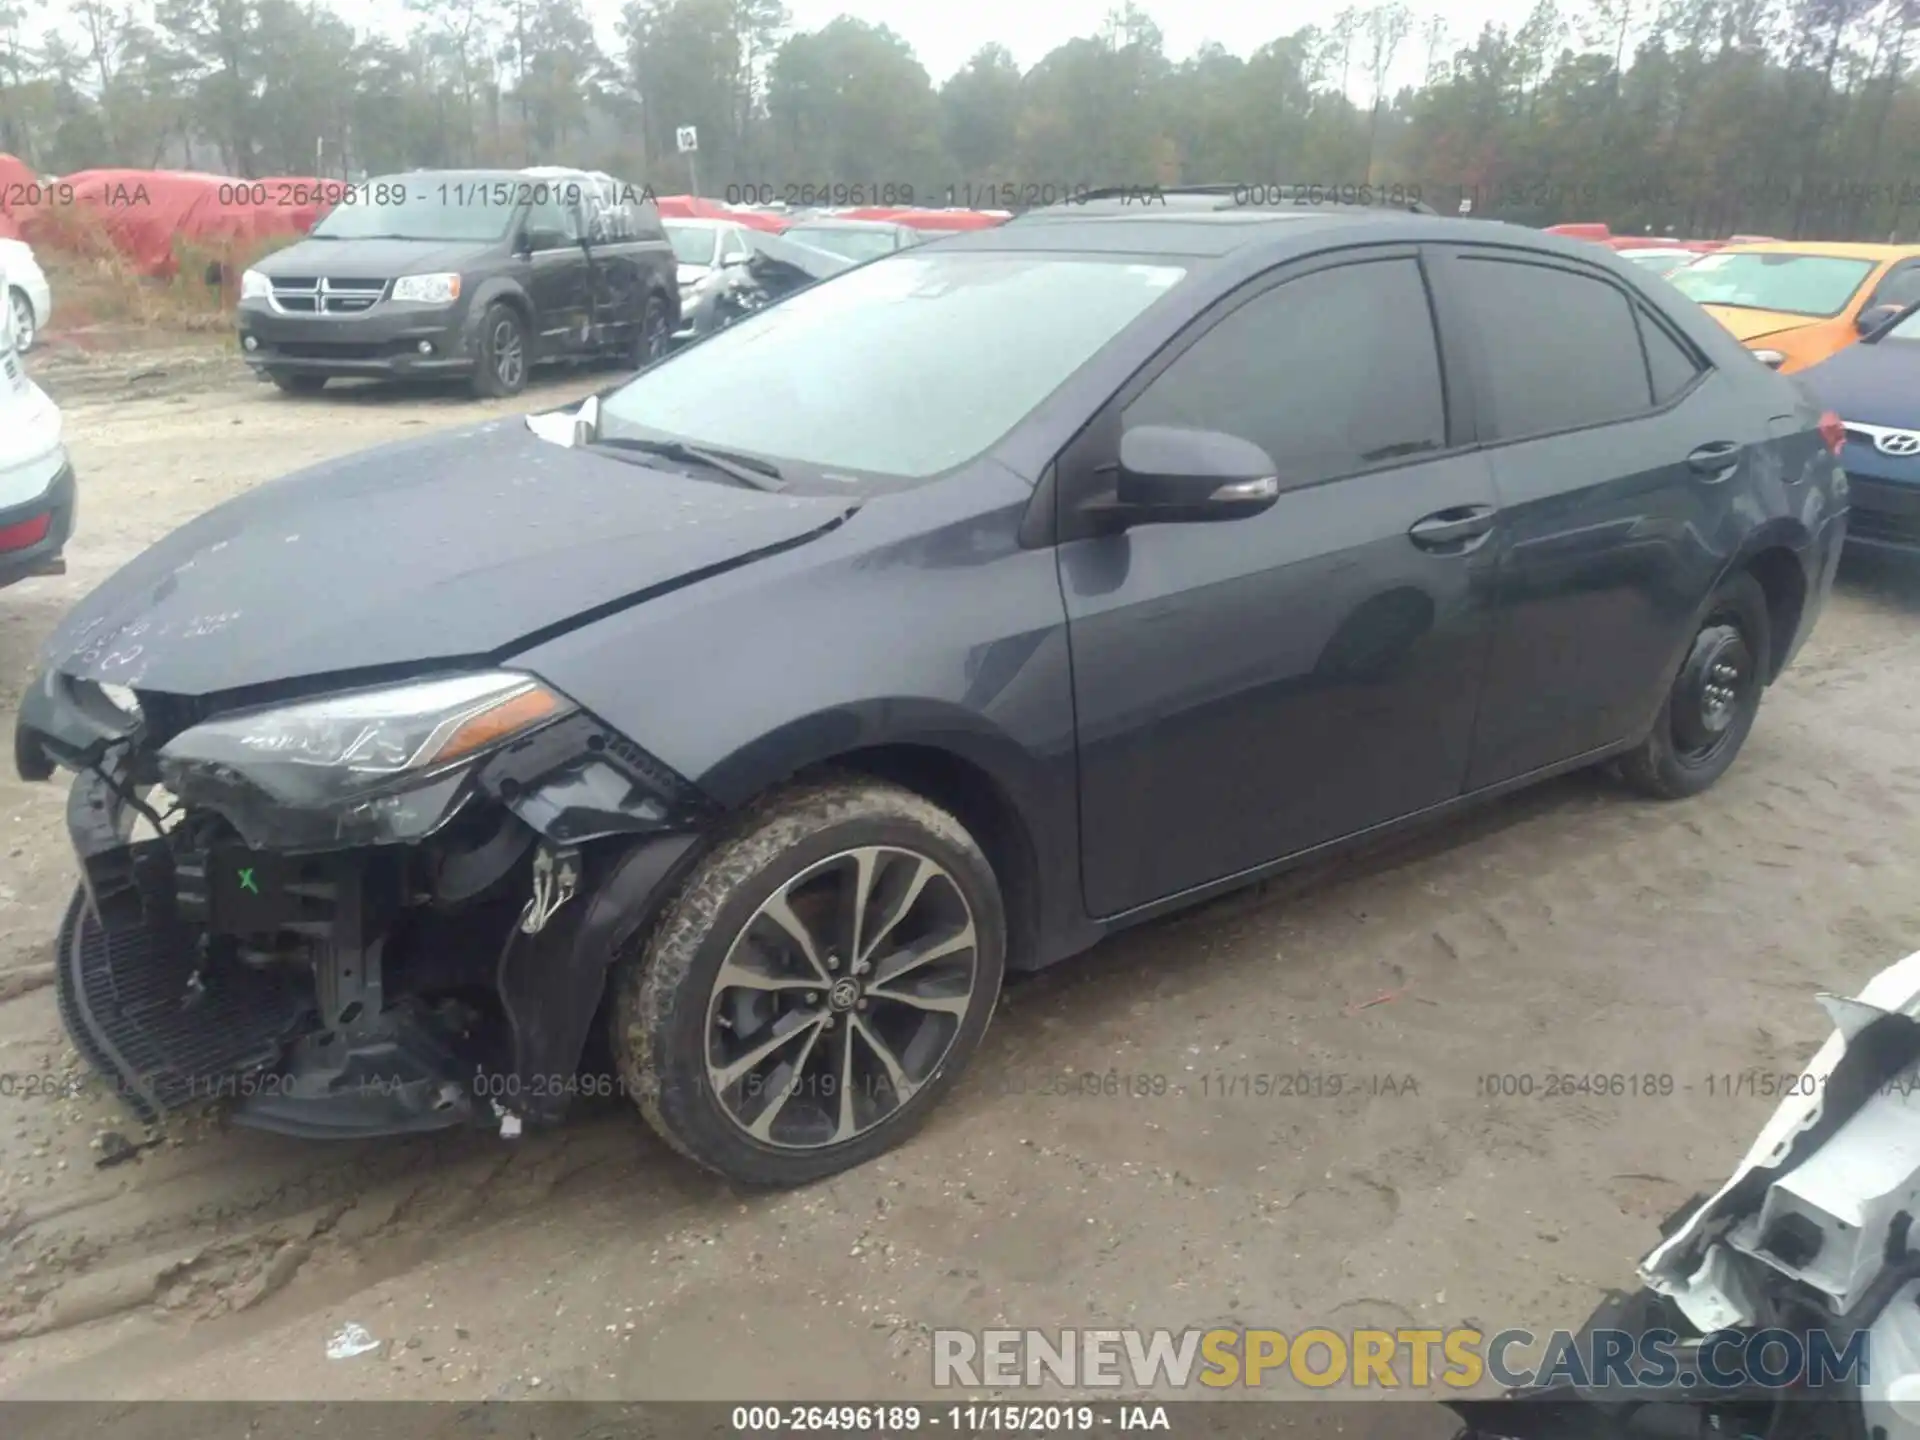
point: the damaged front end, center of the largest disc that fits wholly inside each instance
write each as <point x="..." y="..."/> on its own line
<point x="373" y="911"/>
<point x="1809" y="1247"/>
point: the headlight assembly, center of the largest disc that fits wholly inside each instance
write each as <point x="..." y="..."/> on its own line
<point x="432" y="289"/>
<point x="369" y="766"/>
<point x="1772" y="359"/>
<point x="254" y="285"/>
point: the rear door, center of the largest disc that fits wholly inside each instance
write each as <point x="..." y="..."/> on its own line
<point x="624" y="254"/>
<point x="1250" y="689"/>
<point x="1620" y="458"/>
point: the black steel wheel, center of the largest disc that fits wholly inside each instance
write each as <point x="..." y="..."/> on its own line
<point x="818" y="984"/>
<point x="1714" y="699"/>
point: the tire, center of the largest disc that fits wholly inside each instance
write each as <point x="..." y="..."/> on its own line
<point x="675" y="1028"/>
<point x="501" y="358"/>
<point x="1687" y="749"/>
<point x="295" y="384"/>
<point x="655" y="335"/>
<point x="26" y="325"/>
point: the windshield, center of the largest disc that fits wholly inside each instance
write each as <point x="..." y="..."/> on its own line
<point x="906" y="367"/>
<point x="692" y="244"/>
<point x="409" y="207"/>
<point x="844" y="241"/>
<point x="1794" y="284"/>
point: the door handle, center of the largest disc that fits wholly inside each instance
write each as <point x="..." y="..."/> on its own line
<point x="1715" y="458"/>
<point x="1445" y="529"/>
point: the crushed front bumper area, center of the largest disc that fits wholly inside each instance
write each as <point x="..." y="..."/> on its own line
<point x="373" y="991"/>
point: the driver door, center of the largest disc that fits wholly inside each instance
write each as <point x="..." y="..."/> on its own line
<point x="1250" y="689"/>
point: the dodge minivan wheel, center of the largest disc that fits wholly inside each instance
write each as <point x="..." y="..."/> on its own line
<point x="816" y="987"/>
<point x="500" y="368"/>
<point x="655" y="335"/>
<point x="298" y="384"/>
<point x="1714" y="698"/>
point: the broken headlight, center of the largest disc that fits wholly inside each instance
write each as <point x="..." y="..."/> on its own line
<point x="365" y="767"/>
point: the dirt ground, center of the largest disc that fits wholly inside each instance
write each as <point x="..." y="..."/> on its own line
<point x="1572" y="929"/>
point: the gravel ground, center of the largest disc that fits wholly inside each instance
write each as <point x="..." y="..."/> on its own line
<point x="1571" y="929"/>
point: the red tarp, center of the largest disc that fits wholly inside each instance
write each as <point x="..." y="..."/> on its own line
<point x="142" y="212"/>
<point x="931" y="219"/>
<point x="19" y="190"/>
<point x="1582" y="230"/>
<point x="694" y="207"/>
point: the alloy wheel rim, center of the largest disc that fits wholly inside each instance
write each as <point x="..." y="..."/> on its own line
<point x="840" y="998"/>
<point x="1713" y="688"/>
<point x="656" y="331"/>
<point x="506" y="352"/>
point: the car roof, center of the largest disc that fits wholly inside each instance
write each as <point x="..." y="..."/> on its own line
<point x="1838" y="249"/>
<point x="1119" y="199"/>
<point x="1202" y="234"/>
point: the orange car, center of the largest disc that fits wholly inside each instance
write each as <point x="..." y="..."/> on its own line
<point x="1795" y="302"/>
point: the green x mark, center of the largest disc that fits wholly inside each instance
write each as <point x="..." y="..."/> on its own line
<point x="247" y="881"/>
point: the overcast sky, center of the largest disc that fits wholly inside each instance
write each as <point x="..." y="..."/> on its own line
<point x="945" y="33"/>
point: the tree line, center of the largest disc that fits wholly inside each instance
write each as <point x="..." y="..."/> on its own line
<point x="1696" y="117"/>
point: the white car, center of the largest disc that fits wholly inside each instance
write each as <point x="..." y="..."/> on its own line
<point x="36" y="475"/>
<point x="29" y="297"/>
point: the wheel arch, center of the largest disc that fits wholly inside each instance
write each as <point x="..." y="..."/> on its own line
<point x="499" y="290"/>
<point x="1776" y="556"/>
<point x="943" y="754"/>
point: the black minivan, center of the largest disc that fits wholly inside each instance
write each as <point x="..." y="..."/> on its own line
<point x="482" y="273"/>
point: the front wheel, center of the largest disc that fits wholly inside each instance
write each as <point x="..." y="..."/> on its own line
<point x="816" y="987"/>
<point x="500" y="367"/>
<point x="297" y="384"/>
<point x="1714" y="698"/>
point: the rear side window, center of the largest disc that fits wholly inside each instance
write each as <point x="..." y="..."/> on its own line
<point x="1332" y="373"/>
<point x="1562" y="350"/>
<point x="1671" y="365"/>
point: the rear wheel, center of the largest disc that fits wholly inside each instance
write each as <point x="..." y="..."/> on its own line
<point x="1714" y="698"/>
<point x="298" y="384"/>
<point x="817" y="986"/>
<point x="655" y="334"/>
<point x="500" y="367"/>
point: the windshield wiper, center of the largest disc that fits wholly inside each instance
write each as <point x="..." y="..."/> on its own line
<point x="759" y="474"/>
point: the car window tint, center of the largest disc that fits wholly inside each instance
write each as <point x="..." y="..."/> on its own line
<point x="1331" y="373"/>
<point x="1901" y="287"/>
<point x="549" y="215"/>
<point x="1672" y="365"/>
<point x="1562" y="351"/>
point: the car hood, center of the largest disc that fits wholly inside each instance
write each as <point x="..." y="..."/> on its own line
<point x="378" y="258"/>
<point x="451" y="547"/>
<point x="1876" y="384"/>
<point x="1755" y="324"/>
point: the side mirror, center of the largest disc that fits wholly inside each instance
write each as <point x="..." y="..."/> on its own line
<point x="1874" y="316"/>
<point x="1172" y="475"/>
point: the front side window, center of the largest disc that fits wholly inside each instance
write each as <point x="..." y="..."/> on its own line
<point x="692" y="244"/>
<point x="904" y="369"/>
<point x="1813" y="285"/>
<point x="1332" y="373"/>
<point x="1562" y="349"/>
<point x="1900" y="287"/>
